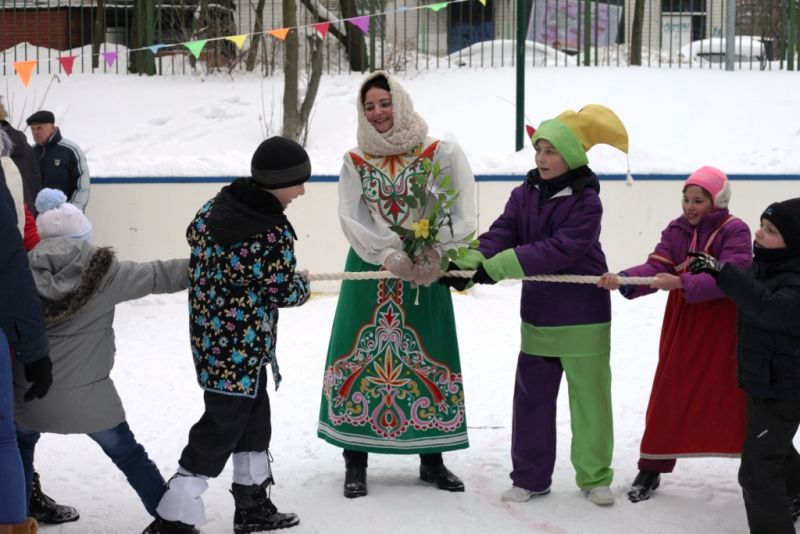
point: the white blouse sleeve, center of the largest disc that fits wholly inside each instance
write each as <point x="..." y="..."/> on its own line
<point x="454" y="164"/>
<point x="372" y="240"/>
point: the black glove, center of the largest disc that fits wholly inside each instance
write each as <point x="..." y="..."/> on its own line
<point x="40" y="373"/>
<point x="481" y="277"/>
<point x="704" y="263"/>
<point x="456" y="282"/>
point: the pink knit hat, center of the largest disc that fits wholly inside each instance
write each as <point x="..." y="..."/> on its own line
<point x="714" y="182"/>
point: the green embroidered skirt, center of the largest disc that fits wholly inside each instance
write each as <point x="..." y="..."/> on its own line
<point x="393" y="377"/>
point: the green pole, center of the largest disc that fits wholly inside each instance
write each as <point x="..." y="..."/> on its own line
<point x="520" y="130"/>
<point x="587" y="33"/>
<point x="792" y="36"/>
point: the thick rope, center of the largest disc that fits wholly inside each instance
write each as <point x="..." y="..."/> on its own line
<point x="568" y="278"/>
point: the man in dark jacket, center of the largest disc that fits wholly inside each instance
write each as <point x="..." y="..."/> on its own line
<point x="62" y="163"/>
<point x="23" y="157"/>
<point x="21" y="324"/>
<point x="768" y="352"/>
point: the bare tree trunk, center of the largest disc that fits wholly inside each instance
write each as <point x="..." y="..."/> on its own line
<point x="352" y="38"/>
<point x="258" y="28"/>
<point x="295" y="114"/>
<point x="142" y="61"/>
<point x="637" y="27"/>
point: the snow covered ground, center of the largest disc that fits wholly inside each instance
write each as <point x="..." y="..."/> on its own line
<point x="155" y="377"/>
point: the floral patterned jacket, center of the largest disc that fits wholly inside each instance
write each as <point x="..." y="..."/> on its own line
<point x="241" y="270"/>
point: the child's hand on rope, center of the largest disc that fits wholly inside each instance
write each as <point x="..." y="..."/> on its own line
<point x="609" y="281"/>
<point x="704" y="263"/>
<point x="666" y="282"/>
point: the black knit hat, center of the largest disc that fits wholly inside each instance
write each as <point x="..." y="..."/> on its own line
<point x="41" y="117"/>
<point x="279" y="162"/>
<point x="786" y="218"/>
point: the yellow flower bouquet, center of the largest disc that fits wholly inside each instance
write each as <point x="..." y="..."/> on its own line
<point x="432" y="197"/>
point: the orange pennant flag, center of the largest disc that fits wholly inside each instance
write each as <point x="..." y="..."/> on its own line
<point x="24" y="70"/>
<point x="280" y="33"/>
<point x="322" y="28"/>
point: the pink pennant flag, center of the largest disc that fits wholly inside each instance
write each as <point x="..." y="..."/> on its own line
<point x="110" y="57"/>
<point x="362" y="23"/>
<point x="24" y="70"/>
<point x="66" y="63"/>
<point x="322" y="28"/>
<point x="280" y="33"/>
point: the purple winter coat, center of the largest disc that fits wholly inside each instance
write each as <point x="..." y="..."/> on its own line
<point x="732" y="245"/>
<point x="563" y="237"/>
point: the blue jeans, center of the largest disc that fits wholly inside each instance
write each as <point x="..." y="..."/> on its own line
<point x="121" y="446"/>
<point x="12" y="483"/>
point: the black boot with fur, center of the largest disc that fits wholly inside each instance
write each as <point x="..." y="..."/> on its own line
<point x="255" y="511"/>
<point x="645" y="483"/>
<point x="47" y="511"/>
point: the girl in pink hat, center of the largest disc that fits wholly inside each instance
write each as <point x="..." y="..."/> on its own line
<point x="695" y="407"/>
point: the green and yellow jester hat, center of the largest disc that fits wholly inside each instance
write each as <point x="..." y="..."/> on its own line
<point x="572" y="134"/>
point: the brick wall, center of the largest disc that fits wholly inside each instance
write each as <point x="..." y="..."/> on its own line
<point x="56" y="28"/>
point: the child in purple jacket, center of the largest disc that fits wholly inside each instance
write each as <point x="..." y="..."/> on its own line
<point x="551" y="225"/>
<point x="695" y="408"/>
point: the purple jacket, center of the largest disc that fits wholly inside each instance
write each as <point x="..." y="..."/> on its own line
<point x="560" y="238"/>
<point x="732" y="245"/>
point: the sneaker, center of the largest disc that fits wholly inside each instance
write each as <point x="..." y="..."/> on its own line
<point x="601" y="495"/>
<point x="644" y="485"/>
<point x="517" y="494"/>
<point x="162" y="526"/>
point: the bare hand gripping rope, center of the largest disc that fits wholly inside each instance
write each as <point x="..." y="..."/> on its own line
<point x="568" y="278"/>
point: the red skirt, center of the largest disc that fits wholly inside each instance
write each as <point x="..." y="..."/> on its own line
<point x="696" y="407"/>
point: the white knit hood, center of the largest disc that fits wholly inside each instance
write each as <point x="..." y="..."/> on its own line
<point x="409" y="129"/>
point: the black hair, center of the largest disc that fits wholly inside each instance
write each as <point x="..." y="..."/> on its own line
<point x="378" y="81"/>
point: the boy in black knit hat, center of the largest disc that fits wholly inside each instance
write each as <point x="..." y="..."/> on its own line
<point x="242" y="269"/>
<point x="768" y="351"/>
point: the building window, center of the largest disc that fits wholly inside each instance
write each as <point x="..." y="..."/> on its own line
<point x="683" y="6"/>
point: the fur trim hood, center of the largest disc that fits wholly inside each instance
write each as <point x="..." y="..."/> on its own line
<point x="408" y="132"/>
<point x="68" y="272"/>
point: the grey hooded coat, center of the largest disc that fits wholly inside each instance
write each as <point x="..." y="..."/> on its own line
<point x="79" y="285"/>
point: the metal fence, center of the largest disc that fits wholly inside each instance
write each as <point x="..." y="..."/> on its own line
<point x="145" y="36"/>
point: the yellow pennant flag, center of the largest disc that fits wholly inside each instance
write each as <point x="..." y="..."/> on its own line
<point x="483" y="2"/>
<point x="280" y="33"/>
<point x="238" y="40"/>
<point x="24" y="70"/>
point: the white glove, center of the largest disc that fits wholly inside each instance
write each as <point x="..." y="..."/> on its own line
<point x="399" y="264"/>
<point x="428" y="267"/>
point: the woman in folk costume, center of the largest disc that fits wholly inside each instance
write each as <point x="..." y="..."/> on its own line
<point x="392" y="379"/>
<point x="695" y="408"/>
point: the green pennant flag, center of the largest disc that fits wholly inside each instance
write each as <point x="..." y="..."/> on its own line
<point x="437" y="7"/>
<point x="195" y="47"/>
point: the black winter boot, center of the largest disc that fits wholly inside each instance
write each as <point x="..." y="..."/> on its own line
<point x="794" y="506"/>
<point x="255" y="511"/>
<point x="47" y="511"/>
<point x="441" y="476"/>
<point x="644" y="485"/>
<point x="355" y="482"/>
<point x="162" y="526"/>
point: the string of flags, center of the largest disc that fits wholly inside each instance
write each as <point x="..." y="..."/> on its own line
<point x="24" y="69"/>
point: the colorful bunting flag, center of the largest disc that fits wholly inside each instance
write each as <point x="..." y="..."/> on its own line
<point x="238" y="40"/>
<point x="322" y="28"/>
<point x="24" y="70"/>
<point x="280" y="33"/>
<point x="483" y="2"/>
<point x="66" y="63"/>
<point x="437" y="7"/>
<point x="156" y="47"/>
<point x="362" y="23"/>
<point x="110" y="57"/>
<point x="195" y="47"/>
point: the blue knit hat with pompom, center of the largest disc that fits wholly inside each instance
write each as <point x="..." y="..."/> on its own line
<point x="59" y="218"/>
